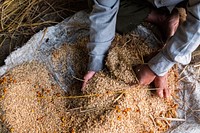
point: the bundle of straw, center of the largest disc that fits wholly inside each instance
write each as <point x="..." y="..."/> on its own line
<point x="20" y="19"/>
<point x="17" y="14"/>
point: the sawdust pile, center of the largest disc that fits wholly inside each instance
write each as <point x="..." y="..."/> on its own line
<point x="113" y="102"/>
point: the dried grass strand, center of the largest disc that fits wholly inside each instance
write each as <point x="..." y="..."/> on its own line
<point x="171" y="119"/>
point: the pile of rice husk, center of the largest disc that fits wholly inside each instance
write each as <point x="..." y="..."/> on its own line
<point x="124" y="55"/>
<point x="30" y="100"/>
<point x="112" y="101"/>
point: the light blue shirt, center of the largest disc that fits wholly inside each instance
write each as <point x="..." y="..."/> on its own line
<point x="177" y="50"/>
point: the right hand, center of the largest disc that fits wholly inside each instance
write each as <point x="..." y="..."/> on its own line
<point x="87" y="77"/>
<point x="144" y="74"/>
<point x="161" y="84"/>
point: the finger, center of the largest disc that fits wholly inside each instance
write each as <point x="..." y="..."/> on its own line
<point x="87" y="77"/>
<point x="84" y="85"/>
<point x="160" y="92"/>
<point x="141" y="82"/>
<point x="167" y="93"/>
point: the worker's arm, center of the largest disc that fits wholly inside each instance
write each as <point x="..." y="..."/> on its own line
<point x="102" y="32"/>
<point x="182" y="44"/>
<point x="167" y="3"/>
<point x="177" y="50"/>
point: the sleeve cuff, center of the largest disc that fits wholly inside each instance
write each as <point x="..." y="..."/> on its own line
<point x="160" y="65"/>
<point x="95" y="63"/>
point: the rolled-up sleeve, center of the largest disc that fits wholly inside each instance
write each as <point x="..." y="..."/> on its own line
<point x="182" y="44"/>
<point x="102" y="31"/>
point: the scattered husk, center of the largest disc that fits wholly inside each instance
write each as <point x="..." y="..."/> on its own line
<point x="74" y="55"/>
<point x="70" y="62"/>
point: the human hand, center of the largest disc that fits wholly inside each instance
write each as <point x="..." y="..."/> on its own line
<point x="87" y="77"/>
<point x="160" y="83"/>
<point x="144" y="74"/>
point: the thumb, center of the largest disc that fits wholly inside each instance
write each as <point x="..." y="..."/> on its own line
<point x="160" y="92"/>
<point x="89" y="75"/>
